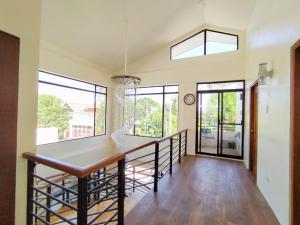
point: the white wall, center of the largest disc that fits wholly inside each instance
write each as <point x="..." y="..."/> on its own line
<point x="158" y="69"/>
<point x="273" y="29"/>
<point x="22" y="19"/>
<point x="57" y="60"/>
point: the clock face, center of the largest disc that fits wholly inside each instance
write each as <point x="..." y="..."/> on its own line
<point x="189" y="99"/>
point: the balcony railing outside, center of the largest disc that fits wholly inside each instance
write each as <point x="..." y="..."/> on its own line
<point x="95" y="195"/>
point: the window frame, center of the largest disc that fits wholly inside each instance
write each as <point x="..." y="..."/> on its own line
<point x="95" y="92"/>
<point x="205" y="42"/>
<point x="163" y="93"/>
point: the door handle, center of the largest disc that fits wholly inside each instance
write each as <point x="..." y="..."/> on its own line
<point x="251" y="131"/>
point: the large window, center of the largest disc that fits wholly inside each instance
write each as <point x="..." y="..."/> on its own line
<point x="151" y="111"/>
<point x="204" y="43"/>
<point x="69" y="109"/>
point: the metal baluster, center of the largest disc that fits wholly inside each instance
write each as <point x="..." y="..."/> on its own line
<point x="171" y="155"/>
<point x="89" y="187"/>
<point x="133" y="180"/>
<point x="104" y="180"/>
<point x="48" y="204"/>
<point x="63" y="191"/>
<point x="179" y="156"/>
<point x="30" y="184"/>
<point x="185" y="147"/>
<point x="82" y="201"/>
<point x="36" y="208"/>
<point x="156" y="166"/>
<point x="121" y="191"/>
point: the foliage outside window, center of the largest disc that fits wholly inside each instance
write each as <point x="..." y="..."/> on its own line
<point x="232" y="114"/>
<point x="151" y="111"/>
<point x="210" y="114"/>
<point x="69" y="109"/>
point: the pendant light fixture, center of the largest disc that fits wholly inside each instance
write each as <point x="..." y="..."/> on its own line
<point x="126" y="79"/>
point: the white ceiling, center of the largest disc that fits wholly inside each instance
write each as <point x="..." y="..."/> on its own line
<point x="94" y="29"/>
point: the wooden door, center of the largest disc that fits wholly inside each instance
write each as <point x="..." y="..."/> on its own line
<point x="295" y="134"/>
<point x="253" y="128"/>
<point x="9" y="74"/>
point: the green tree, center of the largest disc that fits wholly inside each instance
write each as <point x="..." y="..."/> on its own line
<point x="53" y="113"/>
<point x="128" y="115"/>
<point x="229" y="107"/>
<point x="171" y="114"/>
<point x="100" y="116"/>
<point x="148" y="117"/>
<point x="210" y="114"/>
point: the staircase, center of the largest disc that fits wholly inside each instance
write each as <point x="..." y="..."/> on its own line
<point x="101" y="193"/>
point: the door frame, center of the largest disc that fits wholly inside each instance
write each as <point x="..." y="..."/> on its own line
<point x="253" y="122"/>
<point x="243" y="116"/>
<point x="295" y="135"/>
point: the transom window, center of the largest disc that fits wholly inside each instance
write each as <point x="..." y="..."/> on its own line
<point x="69" y="109"/>
<point x="151" y="111"/>
<point x="204" y="43"/>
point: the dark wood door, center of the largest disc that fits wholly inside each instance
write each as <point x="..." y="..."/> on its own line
<point x="295" y="134"/>
<point x="253" y="128"/>
<point x="9" y="74"/>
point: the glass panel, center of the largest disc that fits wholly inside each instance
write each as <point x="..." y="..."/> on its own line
<point x="46" y="77"/>
<point x="232" y="140"/>
<point x="100" y="114"/>
<point x="130" y="91"/>
<point x="208" y="109"/>
<point x="171" y="89"/>
<point x="232" y="107"/>
<point x="149" y="90"/>
<point x="101" y="89"/>
<point x="218" y="42"/>
<point x="171" y="114"/>
<point x="64" y="113"/>
<point x="191" y="47"/>
<point x="149" y="115"/>
<point x="129" y="114"/>
<point x="221" y="86"/>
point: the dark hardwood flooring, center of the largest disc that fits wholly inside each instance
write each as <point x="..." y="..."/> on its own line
<point x="204" y="191"/>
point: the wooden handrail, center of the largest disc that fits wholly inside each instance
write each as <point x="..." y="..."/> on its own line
<point x="153" y="142"/>
<point x="140" y="147"/>
<point x="70" y="168"/>
<point x="172" y="135"/>
<point x="85" y="171"/>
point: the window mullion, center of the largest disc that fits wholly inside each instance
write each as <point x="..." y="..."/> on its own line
<point x="163" y="113"/>
<point x="134" y="112"/>
<point x="95" y="97"/>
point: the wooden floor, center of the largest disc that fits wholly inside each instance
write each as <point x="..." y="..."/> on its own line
<point x="204" y="191"/>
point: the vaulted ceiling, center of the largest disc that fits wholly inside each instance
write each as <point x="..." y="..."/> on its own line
<point x="94" y="29"/>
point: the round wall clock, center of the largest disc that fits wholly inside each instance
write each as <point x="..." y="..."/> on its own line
<point x="189" y="99"/>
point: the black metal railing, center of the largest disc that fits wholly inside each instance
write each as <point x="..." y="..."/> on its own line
<point x="146" y="165"/>
<point x="90" y="196"/>
<point x="95" y="195"/>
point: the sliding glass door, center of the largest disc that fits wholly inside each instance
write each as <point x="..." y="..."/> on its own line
<point x="220" y="119"/>
<point x="209" y="122"/>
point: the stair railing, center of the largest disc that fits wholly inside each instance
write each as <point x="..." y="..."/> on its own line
<point x="95" y="194"/>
